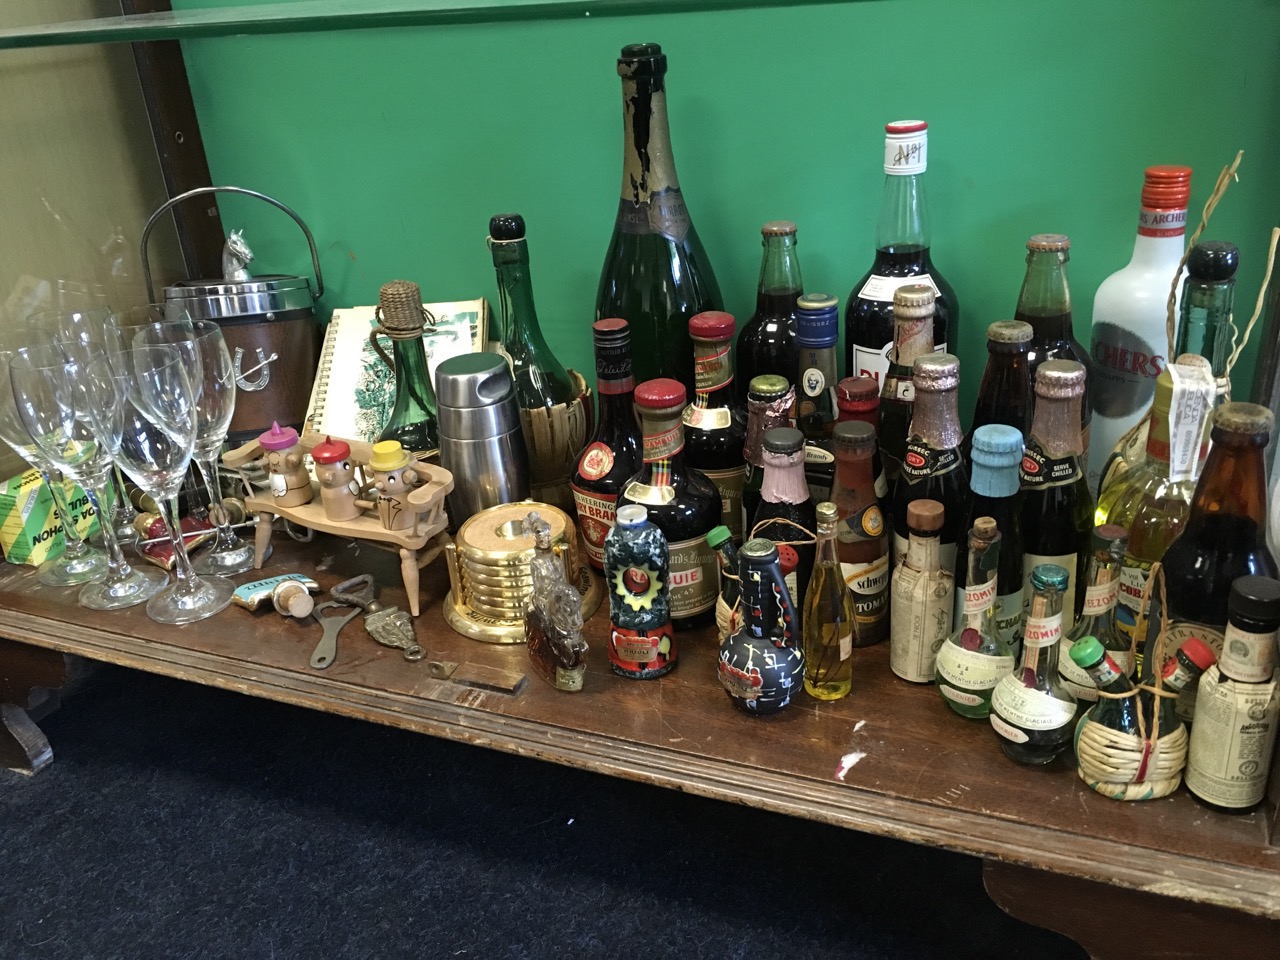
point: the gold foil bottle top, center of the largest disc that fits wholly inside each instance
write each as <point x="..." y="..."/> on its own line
<point x="1239" y="417"/>
<point x="914" y="300"/>
<point x="925" y="516"/>
<point x="778" y="228"/>
<point x="1060" y="379"/>
<point x="826" y="512"/>
<point x="936" y="373"/>
<point x="1049" y="241"/>
<point x="816" y="301"/>
<point x="1010" y="331"/>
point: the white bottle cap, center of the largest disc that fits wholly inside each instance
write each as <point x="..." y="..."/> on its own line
<point x="906" y="147"/>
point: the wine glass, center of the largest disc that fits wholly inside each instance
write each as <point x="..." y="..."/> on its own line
<point x="159" y="414"/>
<point x="83" y="324"/>
<point x="229" y="554"/>
<point x="78" y="563"/>
<point x="71" y="423"/>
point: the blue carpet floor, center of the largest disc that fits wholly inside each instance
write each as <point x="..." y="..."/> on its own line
<point x="184" y="822"/>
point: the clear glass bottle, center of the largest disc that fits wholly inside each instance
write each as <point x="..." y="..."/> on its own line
<point x="553" y="615"/>
<point x="862" y="539"/>
<point x="817" y="334"/>
<point x="976" y="657"/>
<point x="922" y="597"/>
<point x="829" y="626"/>
<point x="413" y="415"/>
<point x="1238" y="707"/>
<point x="1225" y="534"/>
<point x="715" y="424"/>
<point x="903" y="256"/>
<point x="612" y="455"/>
<point x="784" y="496"/>
<point x="1129" y="340"/>
<point x="1208" y="298"/>
<point x="769" y="403"/>
<point x="1032" y="713"/>
<point x="541" y="380"/>
<point x="681" y="502"/>
<point x="914" y="307"/>
<point x="1098" y="618"/>
<point x="994" y="484"/>
<point x="1045" y="303"/>
<point x="656" y="274"/>
<point x="1057" y="507"/>
<point x="933" y="468"/>
<point x="767" y="343"/>
<point x="637" y="577"/>
<point x="1007" y="391"/>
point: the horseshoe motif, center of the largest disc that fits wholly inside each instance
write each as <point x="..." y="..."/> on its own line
<point x="263" y="364"/>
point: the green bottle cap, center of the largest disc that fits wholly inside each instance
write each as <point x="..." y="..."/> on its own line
<point x="1087" y="651"/>
<point x="718" y="536"/>
<point x="768" y="386"/>
<point x="1047" y="575"/>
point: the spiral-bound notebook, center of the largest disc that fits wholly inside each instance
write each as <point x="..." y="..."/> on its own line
<point x="354" y="389"/>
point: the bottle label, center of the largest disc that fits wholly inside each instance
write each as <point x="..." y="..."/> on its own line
<point x="1176" y="633"/>
<point x="872" y="361"/>
<point x="924" y="461"/>
<point x="979" y="599"/>
<point x="1028" y="708"/>
<point x="1100" y="598"/>
<point x="650" y="495"/>
<point x="631" y="648"/>
<point x="1133" y="581"/>
<point x="1038" y="469"/>
<point x="730" y="483"/>
<point x="1189" y="412"/>
<point x="712" y="368"/>
<point x="1068" y="562"/>
<point x="815" y="455"/>
<point x="959" y="696"/>
<point x="1122" y="376"/>
<point x="1161" y="223"/>
<point x="663" y="438"/>
<point x="1006" y="730"/>
<point x="694" y="577"/>
<point x="813" y="381"/>
<point x="919" y="621"/>
<point x="596" y="515"/>
<point x="881" y="485"/>
<point x="707" y="418"/>
<point x="866" y="579"/>
<point x="946" y="552"/>
<point x="596" y="461"/>
<point x="613" y="368"/>
<point x="1246" y="656"/>
<point x="882" y="290"/>
<point x="906" y="154"/>
<point x="739" y="683"/>
<point x="867" y="524"/>
<point x="1042" y="632"/>
<point x="846" y="646"/>
<point x="569" y="679"/>
<point x="664" y="214"/>
<point x="970" y="670"/>
<point x="1232" y="740"/>
<point x="1076" y="679"/>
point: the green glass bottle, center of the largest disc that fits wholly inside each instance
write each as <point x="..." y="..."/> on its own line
<point x="1098" y="618"/>
<point x="656" y="274"/>
<point x="402" y="318"/>
<point x="1116" y="712"/>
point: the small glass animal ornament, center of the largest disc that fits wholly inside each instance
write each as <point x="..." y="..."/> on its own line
<point x="553" y="614"/>
<point x="290" y="483"/>
<point x="394" y="479"/>
<point x="761" y="663"/>
<point x="337" y="475"/>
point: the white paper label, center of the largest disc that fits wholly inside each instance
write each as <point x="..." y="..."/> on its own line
<point x="979" y="599"/>
<point x="959" y="696"/>
<point x="1101" y="597"/>
<point x="946" y="553"/>
<point x="1189" y="412"/>
<point x="970" y="670"/>
<point x="883" y="288"/>
<point x="869" y="362"/>
<point x="1176" y="634"/>
<point x="846" y="646"/>
<point x="1232" y="740"/>
<point x="1042" y="631"/>
<point x="867" y="579"/>
<point x="1008" y="731"/>
<point x="906" y="154"/>
<point x="1250" y="657"/>
<point x="1029" y="708"/>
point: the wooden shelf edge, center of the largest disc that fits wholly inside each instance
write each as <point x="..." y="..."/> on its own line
<point x="445" y="711"/>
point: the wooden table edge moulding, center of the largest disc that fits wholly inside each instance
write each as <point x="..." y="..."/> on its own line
<point x="1149" y="879"/>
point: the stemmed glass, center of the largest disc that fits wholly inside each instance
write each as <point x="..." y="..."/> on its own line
<point x="72" y="423"/>
<point x="229" y="554"/>
<point x="79" y="563"/>
<point x="158" y="413"/>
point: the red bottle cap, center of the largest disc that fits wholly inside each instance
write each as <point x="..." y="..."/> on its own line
<point x="858" y="394"/>
<point x="609" y="325"/>
<point x="788" y="559"/>
<point x="660" y="394"/>
<point x="1199" y="652"/>
<point x="331" y="451"/>
<point x="1166" y="188"/>
<point x="712" y="325"/>
<point x="906" y="126"/>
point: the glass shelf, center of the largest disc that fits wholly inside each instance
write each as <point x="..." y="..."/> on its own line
<point x="315" y="15"/>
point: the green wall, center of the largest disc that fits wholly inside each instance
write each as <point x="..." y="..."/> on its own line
<point x="396" y="145"/>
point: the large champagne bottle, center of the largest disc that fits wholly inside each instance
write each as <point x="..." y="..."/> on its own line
<point x="902" y="257"/>
<point x="656" y="274"/>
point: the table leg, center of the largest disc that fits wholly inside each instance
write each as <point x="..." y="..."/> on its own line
<point x="262" y="539"/>
<point x="409" y="572"/>
<point x="1117" y="923"/>
<point x="24" y="670"/>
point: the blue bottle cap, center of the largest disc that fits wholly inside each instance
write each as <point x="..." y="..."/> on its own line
<point x="1046" y="575"/>
<point x="997" y="451"/>
<point x="817" y="320"/>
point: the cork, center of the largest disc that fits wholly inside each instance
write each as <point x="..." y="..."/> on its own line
<point x="925" y="516"/>
<point x="984" y="528"/>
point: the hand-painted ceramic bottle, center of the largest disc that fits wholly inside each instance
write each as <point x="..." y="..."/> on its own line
<point x="637" y="577"/>
<point x="761" y="664"/>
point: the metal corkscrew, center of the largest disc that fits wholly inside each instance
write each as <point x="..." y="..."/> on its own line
<point x="389" y="626"/>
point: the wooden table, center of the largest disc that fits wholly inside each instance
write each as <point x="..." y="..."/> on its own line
<point x="1126" y="880"/>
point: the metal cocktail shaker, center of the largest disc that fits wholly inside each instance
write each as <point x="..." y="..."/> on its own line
<point x="481" y="442"/>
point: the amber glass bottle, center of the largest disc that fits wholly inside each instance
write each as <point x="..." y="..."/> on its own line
<point x="767" y="343"/>
<point x="1006" y="394"/>
<point x="682" y="503"/>
<point x="913" y="313"/>
<point x="862" y="540"/>
<point x="858" y="398"/>
<point x="612" y="455"/>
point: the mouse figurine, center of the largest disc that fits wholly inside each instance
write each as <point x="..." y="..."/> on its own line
<point x="393" y="479"/>
<point x="290" y="483"/>
<point x="339" y="490"/>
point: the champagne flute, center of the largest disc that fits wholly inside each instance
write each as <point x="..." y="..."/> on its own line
<point x="159" y="414"/>
<point x="229" y="554"/>
<point x="72" y="424"/>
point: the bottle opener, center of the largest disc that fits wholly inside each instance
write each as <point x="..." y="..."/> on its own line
<point x="389" y="626"/>
<point x="327" y="649"/>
